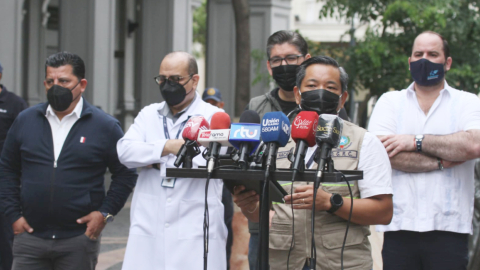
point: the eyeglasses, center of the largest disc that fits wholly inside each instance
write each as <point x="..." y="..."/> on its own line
<point x="174" y="78"/>
<point x="289" y="59"/>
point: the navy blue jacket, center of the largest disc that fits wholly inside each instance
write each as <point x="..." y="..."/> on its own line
<point x="51" y="196"/>
<point x="10" y="106"/>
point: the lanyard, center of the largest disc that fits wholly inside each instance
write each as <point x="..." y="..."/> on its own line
<point x="165" y="129"/>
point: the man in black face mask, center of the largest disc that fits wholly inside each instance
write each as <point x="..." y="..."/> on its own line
<point x="52" y="167"/>
<point x="286" y="50"/>
<point x="167" y="213"/>
<point x="432" y="134"/>
<point x="321" y="87"/>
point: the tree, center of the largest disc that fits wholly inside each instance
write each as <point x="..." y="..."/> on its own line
<point x="241" y="10"/>
<point x="379" y="62"/>
<point x="200" y="28"/>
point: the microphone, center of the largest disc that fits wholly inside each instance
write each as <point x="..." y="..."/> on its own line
<point x="245" y="136"/>
<point x="328" y="136"/>
<point x="215" y="138"/>
<point x="275" y="133"/>
<point x="190" y="148"/>
<point x="303" y="133"/>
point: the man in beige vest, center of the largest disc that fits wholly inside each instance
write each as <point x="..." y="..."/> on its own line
<point x="320" y="79"/>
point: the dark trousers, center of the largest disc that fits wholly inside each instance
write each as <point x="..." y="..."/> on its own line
<point x="253" y="250"/>
<point x="6" y="240"/>
<point x="227" y="201"/>
<point x="438" y="250"/>
<point x="34" y="253"/>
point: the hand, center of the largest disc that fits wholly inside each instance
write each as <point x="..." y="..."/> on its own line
<point x="302" y="198"/>
<point x="247" y="201"/>
<point x="395" y="144"/>
<point x="95" y="224"/>
<point x="172" y="146"/>
<point x="21" y="226"/>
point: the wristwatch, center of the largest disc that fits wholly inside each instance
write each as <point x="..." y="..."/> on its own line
<point x="107" y="218"/>
<point x="418" y="142"/>
<point x="337" y="201"/>
<point x="440" y="164"/>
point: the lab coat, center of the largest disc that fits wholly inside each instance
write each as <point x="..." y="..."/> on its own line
<point x="166" y="224"/>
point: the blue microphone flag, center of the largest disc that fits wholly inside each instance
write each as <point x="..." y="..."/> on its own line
<point x="275" y="128"/>
<point x="245" y="133"/>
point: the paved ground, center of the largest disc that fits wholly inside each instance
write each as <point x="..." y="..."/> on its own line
<point x="114" y="238"/>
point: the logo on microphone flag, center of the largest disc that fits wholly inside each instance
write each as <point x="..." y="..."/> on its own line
<point x="82" y="139"/>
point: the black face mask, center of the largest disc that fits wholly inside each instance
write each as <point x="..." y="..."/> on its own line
<point x="285" y="76"/>
<point x="173" y="93"/>
<point x="426" y="73"/>
<point x="60" y="97"/>
<point x="320" y="101"/>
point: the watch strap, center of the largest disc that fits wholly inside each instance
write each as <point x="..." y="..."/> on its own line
<point x="440" y="164"/>
<point x="418" y="142"/>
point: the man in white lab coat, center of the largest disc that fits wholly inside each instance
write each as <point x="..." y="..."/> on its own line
<point x="166" y="230"/>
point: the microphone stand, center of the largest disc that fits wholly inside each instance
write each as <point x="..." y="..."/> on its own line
<point x="192" y="151"/>
<point x="269" y="166"/>
<point x="324" y="160"/>
<point x="185" y="155"/>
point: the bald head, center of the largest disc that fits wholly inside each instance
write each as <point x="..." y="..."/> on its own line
<point x="434" y="39"/>
<point x="183" y="58"/>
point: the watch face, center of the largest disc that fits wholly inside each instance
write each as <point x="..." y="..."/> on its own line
<point x="419" y="137"/>
<point x="337" y="199"/>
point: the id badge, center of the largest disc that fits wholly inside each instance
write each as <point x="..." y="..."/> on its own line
<point x="168" y="182"/>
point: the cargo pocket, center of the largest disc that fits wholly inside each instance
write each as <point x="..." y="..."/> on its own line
<point x="280" y="235"/>
<point x="357" y="253"/>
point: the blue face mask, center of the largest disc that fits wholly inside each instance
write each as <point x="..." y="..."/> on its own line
<point x="426" y="73"/>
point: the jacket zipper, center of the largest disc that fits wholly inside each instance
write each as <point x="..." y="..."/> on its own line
<point x="52" y="182"/>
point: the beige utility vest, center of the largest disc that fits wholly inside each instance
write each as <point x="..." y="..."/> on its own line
<point x="329" y="228"/>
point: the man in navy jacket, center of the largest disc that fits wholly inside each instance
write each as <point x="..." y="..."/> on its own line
<point x="52" y="174"/>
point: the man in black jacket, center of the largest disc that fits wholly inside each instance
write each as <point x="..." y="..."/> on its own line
<point x="53" y="165"/>
<point x="10" y="106"/>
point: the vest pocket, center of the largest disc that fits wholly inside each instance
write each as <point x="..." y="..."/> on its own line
<point x="280" y="236"/>
<point x="341" y="188"/>
<point x="357" y="254"/>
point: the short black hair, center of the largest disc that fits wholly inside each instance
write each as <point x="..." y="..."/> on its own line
<point x="65" y="58"/>
<point x="289" y="37"/>
<point x="446" y="47"/>
<point x="323" y="60"/>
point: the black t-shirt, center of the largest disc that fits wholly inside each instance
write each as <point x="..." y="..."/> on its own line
<point x="10" y="106"/>
<point x="287" y="106"/>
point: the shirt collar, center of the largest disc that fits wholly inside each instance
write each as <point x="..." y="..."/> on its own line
<point x="77" y="110"/>
<point x="446" y="88"/>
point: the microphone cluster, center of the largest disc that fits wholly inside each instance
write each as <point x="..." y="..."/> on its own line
<point x="274" y="130"/>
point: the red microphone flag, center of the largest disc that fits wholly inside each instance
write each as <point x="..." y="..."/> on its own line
<point x="304" y="127"/>
<point x="193" y="127"/>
